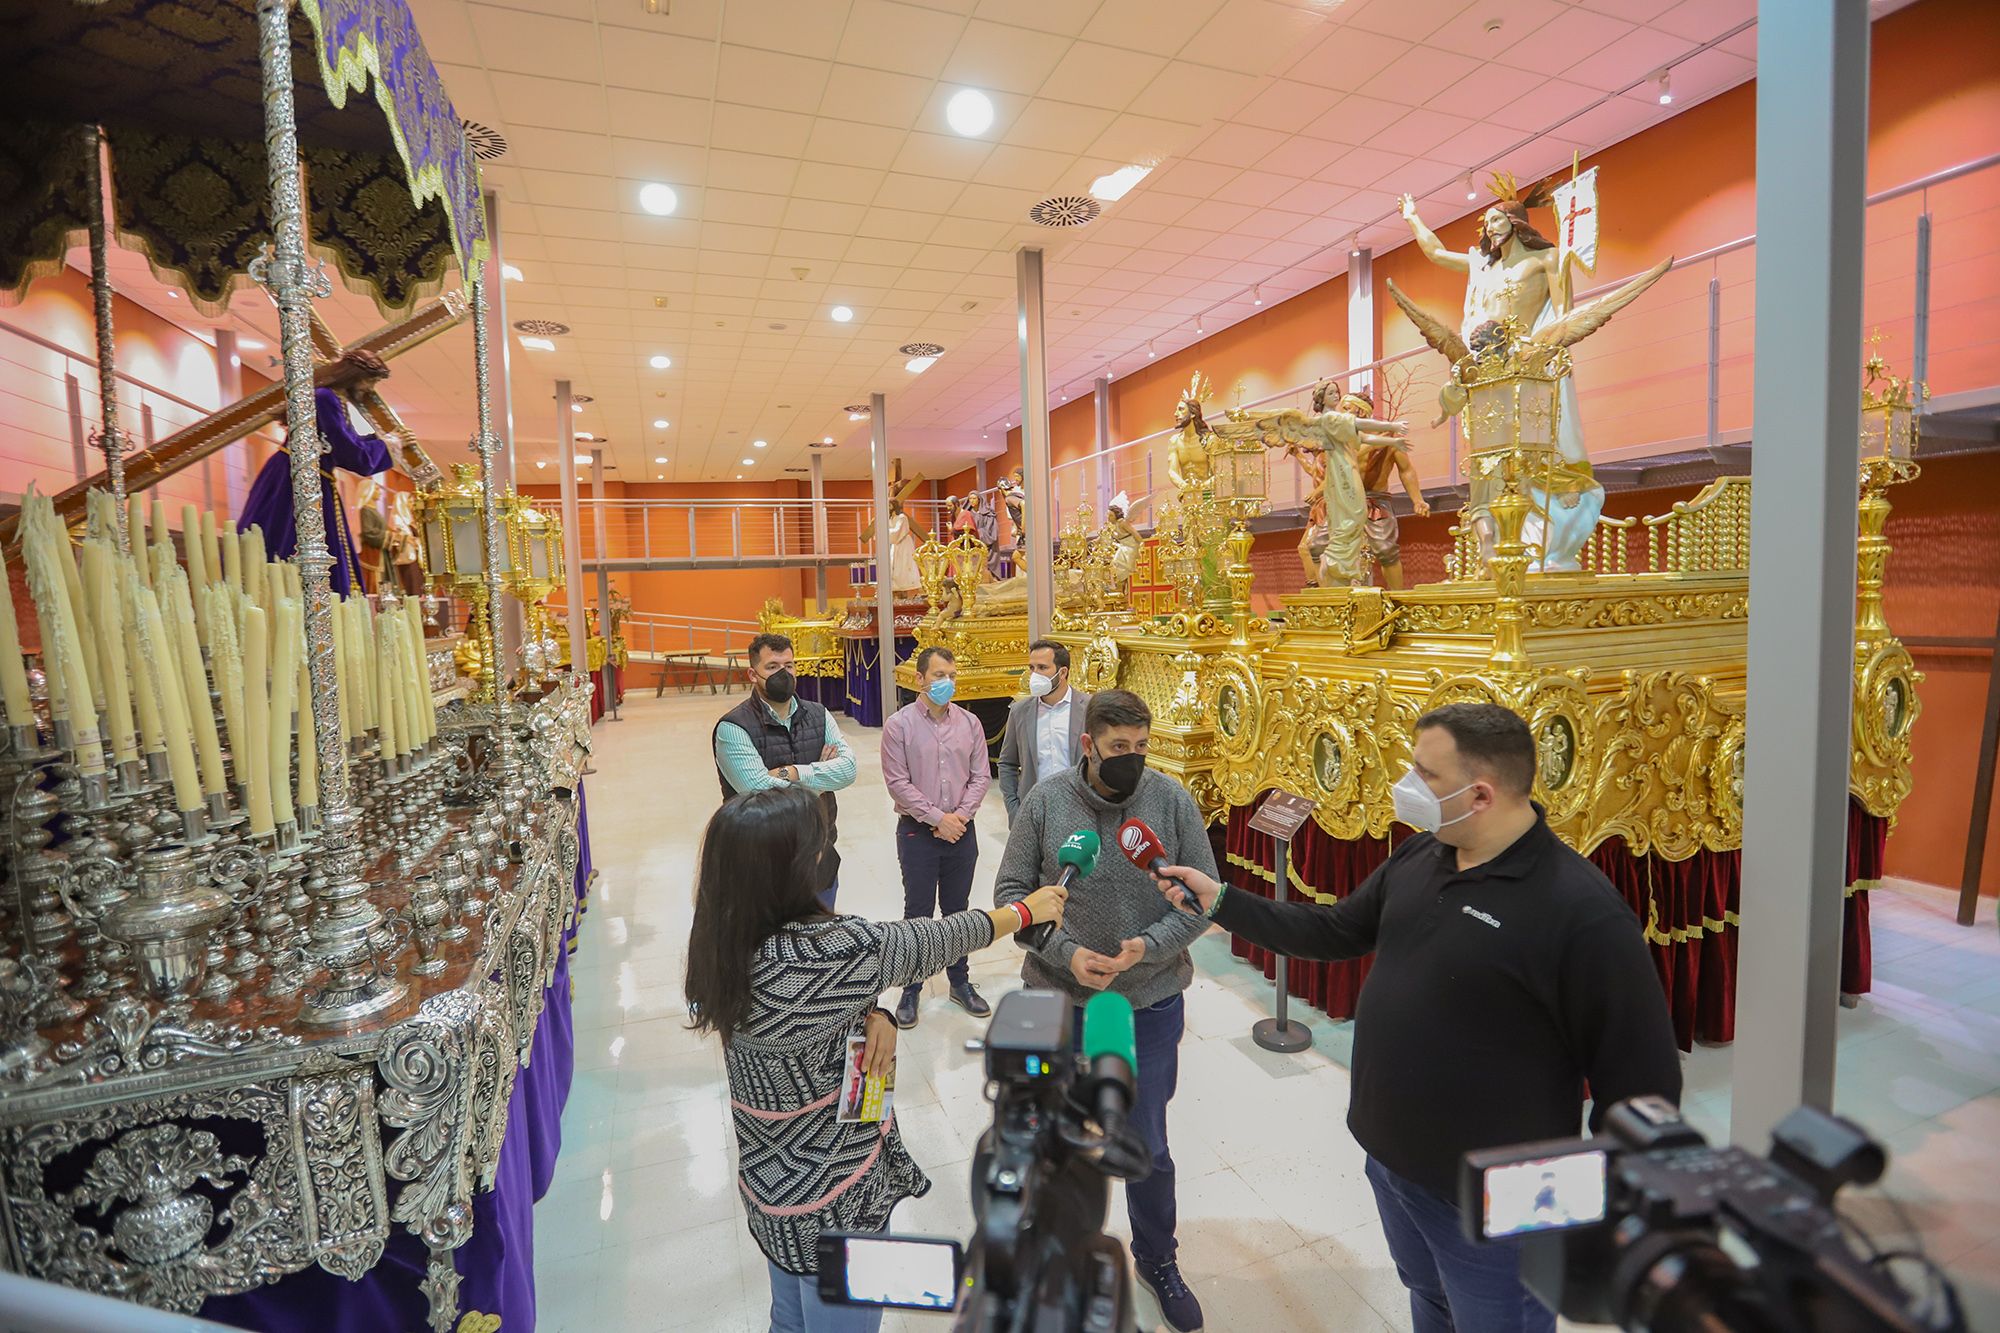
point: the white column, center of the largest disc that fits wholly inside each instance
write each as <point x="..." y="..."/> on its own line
<point x="1101" y="404"/>
<point x="885" y="592"/>
<point x="1361" y="318"/>
<point x="1034" y="544"/>
<point x="819" y="530"/>
<point x="579" y="632"/>
<point x="1812" y="153"/>
<point x="603" y="574"/>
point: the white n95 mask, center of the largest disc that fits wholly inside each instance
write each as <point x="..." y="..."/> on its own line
<point x="1421" y="808"/>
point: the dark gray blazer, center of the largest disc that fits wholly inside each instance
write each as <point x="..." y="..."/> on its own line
<point x="1017" y="748"/>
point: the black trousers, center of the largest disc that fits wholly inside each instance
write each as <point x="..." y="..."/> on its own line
<point x="937" y="875"/>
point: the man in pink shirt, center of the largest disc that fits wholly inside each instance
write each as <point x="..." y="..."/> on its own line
<point x="934" y="765"/>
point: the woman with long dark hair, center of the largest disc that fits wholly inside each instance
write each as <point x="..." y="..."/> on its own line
<point x="785" y="983"/>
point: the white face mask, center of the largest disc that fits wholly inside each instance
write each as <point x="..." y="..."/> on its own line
<point x="1421" y="808"/>
<point x="1039" y="685"/>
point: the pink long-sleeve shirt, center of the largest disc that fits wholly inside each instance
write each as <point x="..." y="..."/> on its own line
<point x="934" y="766"/>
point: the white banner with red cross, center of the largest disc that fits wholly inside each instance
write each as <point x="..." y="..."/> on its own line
<point x="1576" y="219"/>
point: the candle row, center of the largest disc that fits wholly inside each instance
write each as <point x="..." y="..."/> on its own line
<point x="129" y="644"/>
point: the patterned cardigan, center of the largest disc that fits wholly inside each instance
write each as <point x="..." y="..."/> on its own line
<point x="812" y="984"/>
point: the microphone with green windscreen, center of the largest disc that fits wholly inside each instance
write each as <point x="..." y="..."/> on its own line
<point x="1078" y="857"/>
<point x="1110" y="1060"/>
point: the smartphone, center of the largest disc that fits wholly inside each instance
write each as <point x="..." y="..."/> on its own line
<point x="905" y="1272"/>
<point x="1533" y="1192"/>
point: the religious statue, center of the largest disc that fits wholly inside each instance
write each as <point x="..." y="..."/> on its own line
<point x="1013" y="492"/>
<point x="1312" y="542"/>
<point x="343" y="440"/>
<point x="1123" y="537"/>
<point x="1517" y="289"/>
<point x="1187" y="454"/>
<point x="1340" y="436"/>
<point x="1378" y="463"/>
<point x="902" y="550"/>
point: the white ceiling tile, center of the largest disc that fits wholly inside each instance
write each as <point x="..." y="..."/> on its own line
<point x="1633" y="11"/>
<point x="1633" y="56"/>
<point x="821" y="215"/>
<point x="1565" y="40"/>
<point x="1235" y="144"/>
<point x="898" y="37"/>
<point x="1140" y="139"/>
<point x="654" y="62"/>
<point x="874" y="97"/>
<point x="969" y="232"/>
<point x="1412" y="20"/>
<point x="1419" y="132"/>
<point x="679" y="165"/>
<point x="756" y="172"/>
<point x="1357" y="120"/>
<point x="1162" y="27"/>
<point x="1024" y="168"/>
<point x="1103" y="76"/>
<point x="851" y="144"/>
<point x="559" y="150"/>
<point x="555" y="104"/>
<point x="763" y="210"/>
<point x="1361" y="166"/>
<point x="943" y="156"/>
<point x="1699" y="20"/>
<point x="771" y="79"/>
<point x="1288" y="105"/>
<point x="798" y="27"/>
<point x="995" y="203"/>
<point x="750" y="129"/>
<point x="895" y="225"/>
<point x="839" y="184"/>
<point x="1519" y="20"/>
<point x="1194" y="94"/>
<point x="1251" y="34"/>
<point x="817" y="248"/>
<point x="556" y="48"/>
<point x="1299" y="156"/>
<point x="658" y="117"/>
<point x="1419" y="75"/>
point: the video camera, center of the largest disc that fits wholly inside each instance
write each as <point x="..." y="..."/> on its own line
<point x="1039" y="1261"/>
<point x="1648" y="1227"/>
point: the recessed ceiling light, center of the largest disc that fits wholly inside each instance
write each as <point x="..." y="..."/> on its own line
<point x="917" y="365"/>
<point x="585" y="435"/>
<point x="658" y="199"/>
<point x="538" y="344"/>
<point x="250" y="344"/>
<point x="739" y="476"/>
<point x="757" y="444"/>
<point x="582" y="460"/>
<point x="576" y="407"/>
<point x="969" y="112"/>
<point x="661" y="424"/>
<point x="541" y="462"/>
<point x="512" y="273"/>
<point x="840" y="314"/>
<point x="749" y="462"/>
<point x="661" y="362"/>
<point x="661" y="459"/>
<point x="1116" y="185"/>
<point x="827" y="440"/>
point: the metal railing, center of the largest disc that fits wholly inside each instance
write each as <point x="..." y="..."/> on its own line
<point x="1675" y="372"/>
<point x="752" y="531"/>
<point x="653" y="635"/>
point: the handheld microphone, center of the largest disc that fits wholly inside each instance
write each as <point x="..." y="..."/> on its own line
<point x="1078" y="857"/>
<point x="1143" y="848"/>
<point x="1110" y="1082"/>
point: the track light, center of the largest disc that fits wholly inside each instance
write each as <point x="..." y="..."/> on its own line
<point x="1471" y="191"/>
<point x="1149" y="349"/>
<point x="1666" y="87"/>
<point x="1256" y="296"/>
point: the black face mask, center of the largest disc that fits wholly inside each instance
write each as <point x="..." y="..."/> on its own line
<point x="780" y="685"/>
<point x="1121" y="774"/>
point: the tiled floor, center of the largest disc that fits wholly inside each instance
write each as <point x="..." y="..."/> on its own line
<point x="643" y="1230"/>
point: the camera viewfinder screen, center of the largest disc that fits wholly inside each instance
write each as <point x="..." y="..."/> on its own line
<point x="914" y="1274"/>
<point x="1549" y="1194"/>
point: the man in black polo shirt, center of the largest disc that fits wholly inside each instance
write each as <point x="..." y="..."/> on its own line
<point x="1508" y="975"/>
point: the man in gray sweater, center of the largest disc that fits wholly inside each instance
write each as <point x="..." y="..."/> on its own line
<point x="1119" y="934"/>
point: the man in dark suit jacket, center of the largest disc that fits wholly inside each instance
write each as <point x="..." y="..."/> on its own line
<point x="1042" y="729"/>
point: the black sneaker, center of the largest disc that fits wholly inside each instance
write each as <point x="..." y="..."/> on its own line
<point x="906" y="1008"/>
<point x="970" y="1000"/>
<point x="1177" y="1304"/>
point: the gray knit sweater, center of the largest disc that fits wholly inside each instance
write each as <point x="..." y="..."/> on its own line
<point x="1117" y="901"/>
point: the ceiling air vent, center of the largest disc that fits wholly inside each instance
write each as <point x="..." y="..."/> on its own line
<point x="919" y="349"/>
<point x="541" y="328"/>
<point x="820" y="444"/>
<point x="861" y="409"/>
<point x="578" y="397"/>
<point x="798" y="469"/>
<point x="486" y="142"/>
<point x="1065" y="210"/>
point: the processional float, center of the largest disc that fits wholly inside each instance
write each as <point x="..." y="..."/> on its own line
<point x="268" y="1011"/>
<point x="1621" y="642"/>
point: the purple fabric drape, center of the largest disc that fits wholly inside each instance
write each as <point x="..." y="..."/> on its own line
<point x="270" y="507"/>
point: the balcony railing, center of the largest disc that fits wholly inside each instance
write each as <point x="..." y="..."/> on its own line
<point x="697" y="534"/>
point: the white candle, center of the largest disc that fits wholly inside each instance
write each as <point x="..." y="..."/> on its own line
<point x="146" y="698"/>
<point x="211" y="554"/>
<point x="100" y="576"/>
<point x="13" y="671"/>
<point x="227" y="653"/>
<point x="62" y="648"/>
<point x="385" y="688"/>
<point x="194" y="683"/>
<point x="135" y="536"/>
<point x="79" y="609"/>
<point x="232" y="558"/>
<point x="308" y="743"/>
<point x="420" y="676"/>
<point x="252" y="539"/>
<point x="343" y="678"/>
<point x="197" y="568"/>
<point x="253" y="764"/>
<point x="284" y="667"/>
<point x="173" y="703"/>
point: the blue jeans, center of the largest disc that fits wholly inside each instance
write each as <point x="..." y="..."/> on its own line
<point x="1455" y="1286"/>
<point x="937" y="876"/>
<point x="1150" y="1203"/>
<point x="797" y="1308"/>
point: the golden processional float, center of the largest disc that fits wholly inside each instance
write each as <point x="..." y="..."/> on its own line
<point x="1630" y="671"/>
<point x="283" y="926"/>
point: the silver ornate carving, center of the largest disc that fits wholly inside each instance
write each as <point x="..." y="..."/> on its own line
<point x="340" y="1169"/>
<point x="108" y="436"/>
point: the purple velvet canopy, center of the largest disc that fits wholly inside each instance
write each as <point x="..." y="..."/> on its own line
<point x="270" y="504"/>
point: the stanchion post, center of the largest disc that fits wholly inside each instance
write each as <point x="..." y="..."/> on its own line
<point x="1281" y="816"/>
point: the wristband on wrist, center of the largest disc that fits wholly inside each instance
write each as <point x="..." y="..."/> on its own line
<point x="1021" y="910"/>
<point x="1217" y="901"/>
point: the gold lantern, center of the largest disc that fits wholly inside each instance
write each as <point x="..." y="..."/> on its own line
<point x="451" y="520"/>
<point x="1242" y="479"/>
<point x="1511" y="391"/>
<point x="535" y="536"/>
<point x="1888" y="412"/>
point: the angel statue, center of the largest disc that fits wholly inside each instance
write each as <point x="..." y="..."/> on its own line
<point x="1124" y="539"/>
<point x="1515" y="280"/>
<point x="1340" y="435"/>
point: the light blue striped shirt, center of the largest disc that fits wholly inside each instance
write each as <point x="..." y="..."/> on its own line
<point x="736" y="755"/>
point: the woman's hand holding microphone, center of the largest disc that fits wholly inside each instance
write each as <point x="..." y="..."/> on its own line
<point x="1044" y="905"/>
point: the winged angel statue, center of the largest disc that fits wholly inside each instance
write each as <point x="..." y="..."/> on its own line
<point x="1515" y="281"/>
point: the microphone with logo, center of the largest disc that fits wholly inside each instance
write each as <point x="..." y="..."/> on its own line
<point x="1110" y="1082"/>
<point x="1143" y="848"/>
<point x="1078" y="857"/>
